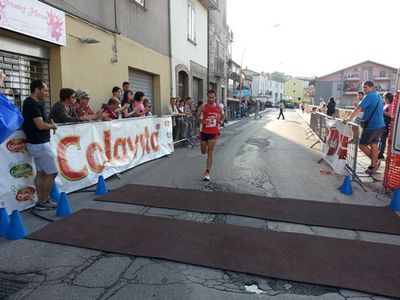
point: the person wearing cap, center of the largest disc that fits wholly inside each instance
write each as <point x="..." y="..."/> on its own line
<point x="82" y="107"/>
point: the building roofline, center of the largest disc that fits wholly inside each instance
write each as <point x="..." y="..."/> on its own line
<point x="367" y="61"/>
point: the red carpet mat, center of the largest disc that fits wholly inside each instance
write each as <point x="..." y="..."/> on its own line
<point x="363" y="266"/>
<point x="345" y="216"/>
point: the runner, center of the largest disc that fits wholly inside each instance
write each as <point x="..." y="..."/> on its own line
<point x="209" y="116"/>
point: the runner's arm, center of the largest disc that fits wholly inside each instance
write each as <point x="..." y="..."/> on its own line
<point x="199" y="112"/>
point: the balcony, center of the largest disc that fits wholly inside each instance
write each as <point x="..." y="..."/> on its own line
<point x="234" y="76"/>
<point x="219" y="67"/>
<point x="210" y="4"/>
<point x="352" y="79"/>
<point x="381" y="78"/>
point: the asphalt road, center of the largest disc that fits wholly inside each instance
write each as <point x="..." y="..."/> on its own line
<point x="267" y="157"/>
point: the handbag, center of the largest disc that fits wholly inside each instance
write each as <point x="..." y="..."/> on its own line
<point x="364" y="123"/>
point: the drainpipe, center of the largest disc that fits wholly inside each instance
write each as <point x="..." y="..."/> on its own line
<point x="114" y="58"/>
<point x="170" y="47"/>
<point x="208" y="50"/>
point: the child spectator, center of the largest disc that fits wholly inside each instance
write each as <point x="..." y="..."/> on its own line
<point x="138" y="104"/>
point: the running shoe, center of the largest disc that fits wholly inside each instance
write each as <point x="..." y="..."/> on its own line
<point x="373" y="169"/>
<point x="48" y="205"/>
<point x="206" y="176"/>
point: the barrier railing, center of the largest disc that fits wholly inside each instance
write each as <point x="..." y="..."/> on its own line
<point x="325" y="135"/>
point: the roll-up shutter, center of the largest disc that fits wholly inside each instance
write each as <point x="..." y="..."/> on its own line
<point x="141" y="81"/>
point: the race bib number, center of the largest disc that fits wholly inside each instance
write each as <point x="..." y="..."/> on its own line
<point x="211" y="122"/>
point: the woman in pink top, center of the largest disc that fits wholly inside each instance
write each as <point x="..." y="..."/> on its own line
<point x="138" y="104"/>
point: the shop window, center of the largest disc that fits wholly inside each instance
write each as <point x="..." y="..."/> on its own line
<point x="20" y="71"/>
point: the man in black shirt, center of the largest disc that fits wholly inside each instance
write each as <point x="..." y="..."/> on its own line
<point x="37" y="131"/>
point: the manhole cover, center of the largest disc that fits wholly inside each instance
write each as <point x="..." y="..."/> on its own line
<point x="9" y="287"/>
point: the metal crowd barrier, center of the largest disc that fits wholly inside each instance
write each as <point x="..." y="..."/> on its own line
<point x="185" y="130"/>
<point x="319" y="129"/>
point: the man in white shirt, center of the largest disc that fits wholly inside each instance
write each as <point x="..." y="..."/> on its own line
<point x="281" y="110"/>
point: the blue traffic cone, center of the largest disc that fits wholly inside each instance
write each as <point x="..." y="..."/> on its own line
<point x="55" y="193"/>
<point x="346" y="187"/>
<point x="16" y="229"/>
<point x="4" y="221"/>
<point x="101" y="188"/>
<point x="63" y="208"/>
<point x="395" y="202"/>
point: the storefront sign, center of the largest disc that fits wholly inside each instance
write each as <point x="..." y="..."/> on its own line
<point x="83" y="153"/>
<point x="33" y="18"/>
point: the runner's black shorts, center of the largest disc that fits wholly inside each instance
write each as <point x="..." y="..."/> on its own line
<point x="207" y="136"/>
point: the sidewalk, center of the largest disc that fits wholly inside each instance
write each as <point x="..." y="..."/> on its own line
<point x="373" y="181"/>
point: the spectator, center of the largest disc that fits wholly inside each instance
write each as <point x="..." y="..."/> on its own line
<point x="82" y="108"/>
<point x="190" y="108"/>
<point x="177" y="125"/>
<point x="126" y="86"/>
<point x="372" y="105"/>
<point x="359" y="117"/>
<point x="181" y="107"/>
<point x="303" y="106"/>
<point x="138" y="104"/>
<point x="331" y="107"/>
<point x="112" y="109"/>
<point x="147" y="107"/>
<point x="321" y="103"/>
<point x="116" y="92"/>
<point x="324" y="109"/>
<point x="128" y="100"/>
<point x="388" y="97"/>
<point x="37" y="131"/>
<point x="64" y="110"/>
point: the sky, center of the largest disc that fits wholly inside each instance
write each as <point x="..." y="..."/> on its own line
<point x="313" y="37"/>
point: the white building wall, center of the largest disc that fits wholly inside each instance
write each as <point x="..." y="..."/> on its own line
<point x="255" y="87"/>
<point x="182" y="50"/>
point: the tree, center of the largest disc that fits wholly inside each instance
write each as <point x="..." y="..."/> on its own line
<point x="278" y="76"/>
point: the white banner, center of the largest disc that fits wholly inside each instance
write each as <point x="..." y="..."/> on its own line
<point x="33" y="18"/>
<point x="335" y="144"/>
<point x="396" y="132"/>
<point x="84" y="151"/>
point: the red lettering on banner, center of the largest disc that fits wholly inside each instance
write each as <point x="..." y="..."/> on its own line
<point x="133" y="147"/>
<point x="65" y="168"/>
<point x="107" y="143"/>
<point x="147" y="141"/>
<point x="120" y="142"/>
<point x="93" y="165"/>
<point x="154" y="141"/>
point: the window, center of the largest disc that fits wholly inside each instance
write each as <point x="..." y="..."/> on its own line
<point x="382" y="74"/>
<point x="191" y="23"/>
<point x="141" y="2"/>
<point x="218" y="44"/>
<point x="366" y="75"/>
<point x="339" y="86"/>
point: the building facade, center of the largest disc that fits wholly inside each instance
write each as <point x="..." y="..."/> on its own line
<point x="294" y="88"/>
<point x="220" y="39"/>
<point x="189" y="47"/>
<point x="344" y="84"/>
<point x="106" y="43"/>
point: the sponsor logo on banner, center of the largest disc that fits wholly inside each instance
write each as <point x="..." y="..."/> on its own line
<point x="16" y="145"/>
<point x="147" y="142"/>
<point x="167" y="123"/>
<point x="21" y="170"/>
<point x="82" y="151"/>
<point x="23" y="193"/>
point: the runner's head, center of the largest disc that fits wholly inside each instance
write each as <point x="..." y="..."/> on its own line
<point x="211" y="97"/>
